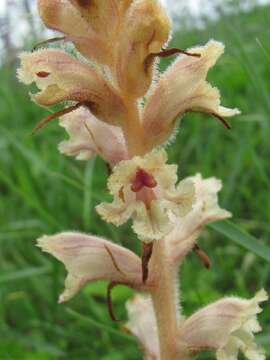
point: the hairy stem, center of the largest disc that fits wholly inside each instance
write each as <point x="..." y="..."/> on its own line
<point x="164" y="300"/>
<point x="133" y="130"/>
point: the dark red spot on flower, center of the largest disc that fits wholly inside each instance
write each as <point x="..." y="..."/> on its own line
<point x="143" y="179"/>
<point x="43" y="74"/>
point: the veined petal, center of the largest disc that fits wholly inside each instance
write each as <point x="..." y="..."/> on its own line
<point x="183" y="87"/>
<point x="145" y="29"/>
<point x="226" y="326"/>
<point x="89" y="258"/>
<point x="152" y="223"/>
<point x="142" y="324"/>
<point x="117" y="212"/>
<point x="89" y="136"/>
<point x="64" y="17"/>
<point x="60" y="77"/>
<point x="205" y="210"/>
<point x="182" y="198"/>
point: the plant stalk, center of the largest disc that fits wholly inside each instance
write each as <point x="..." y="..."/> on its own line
<point x="164" y="300"/>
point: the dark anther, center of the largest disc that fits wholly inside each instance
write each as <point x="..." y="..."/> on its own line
<point x="203" y="256"/>
<point x="111" y="286"/>
<point x="143" y="178"/>
<point x="55" y="115"/>
<point x="146" y="256"/>
<point x="48" y="41"/>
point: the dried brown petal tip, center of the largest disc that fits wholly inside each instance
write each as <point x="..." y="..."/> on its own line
<point x="203" y="256"/>
<point x="146" y="256"/>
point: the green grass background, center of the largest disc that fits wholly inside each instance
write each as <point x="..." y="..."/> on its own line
<point x="44" y="192"/>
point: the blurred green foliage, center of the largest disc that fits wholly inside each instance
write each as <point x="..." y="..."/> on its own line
<point x="44" y="192"/>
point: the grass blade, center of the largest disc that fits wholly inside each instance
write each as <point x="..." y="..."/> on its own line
<point x="242" y="238"/>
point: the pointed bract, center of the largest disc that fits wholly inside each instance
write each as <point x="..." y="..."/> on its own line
<point x="142" y="324"/>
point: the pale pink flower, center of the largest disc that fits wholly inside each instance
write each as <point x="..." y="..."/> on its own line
<point x="144" y="189"/>
<point x="205" y="210"/>
<point x="227" y="327"/>
<point x="89" y="258"/>
<point x="90" y="136"/>
<point x="142" y="324"/>
<point x="60" y="77"/>
<point x="183" y="88"/>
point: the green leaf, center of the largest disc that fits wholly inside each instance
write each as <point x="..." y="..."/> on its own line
<point x="242" y="238"/>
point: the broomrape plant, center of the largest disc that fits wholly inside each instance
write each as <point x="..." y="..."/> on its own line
<point x="122" y="109"/>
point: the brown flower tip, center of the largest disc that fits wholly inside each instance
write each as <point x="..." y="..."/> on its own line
<point x="143" y="178"/>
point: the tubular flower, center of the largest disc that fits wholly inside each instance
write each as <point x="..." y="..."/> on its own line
<point x="60" y="77"/>
<point x="183" y="88"/>
<point x="142" y="324"/>
<point x="227" y="327"/>
<point x="91" y="25"/>
<point x="144" y="189"/>
<point x="89" y="136"/>
<point x="145" y="30"/>
<point x="89" y="258"/>
<point x="204" y="211"/>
